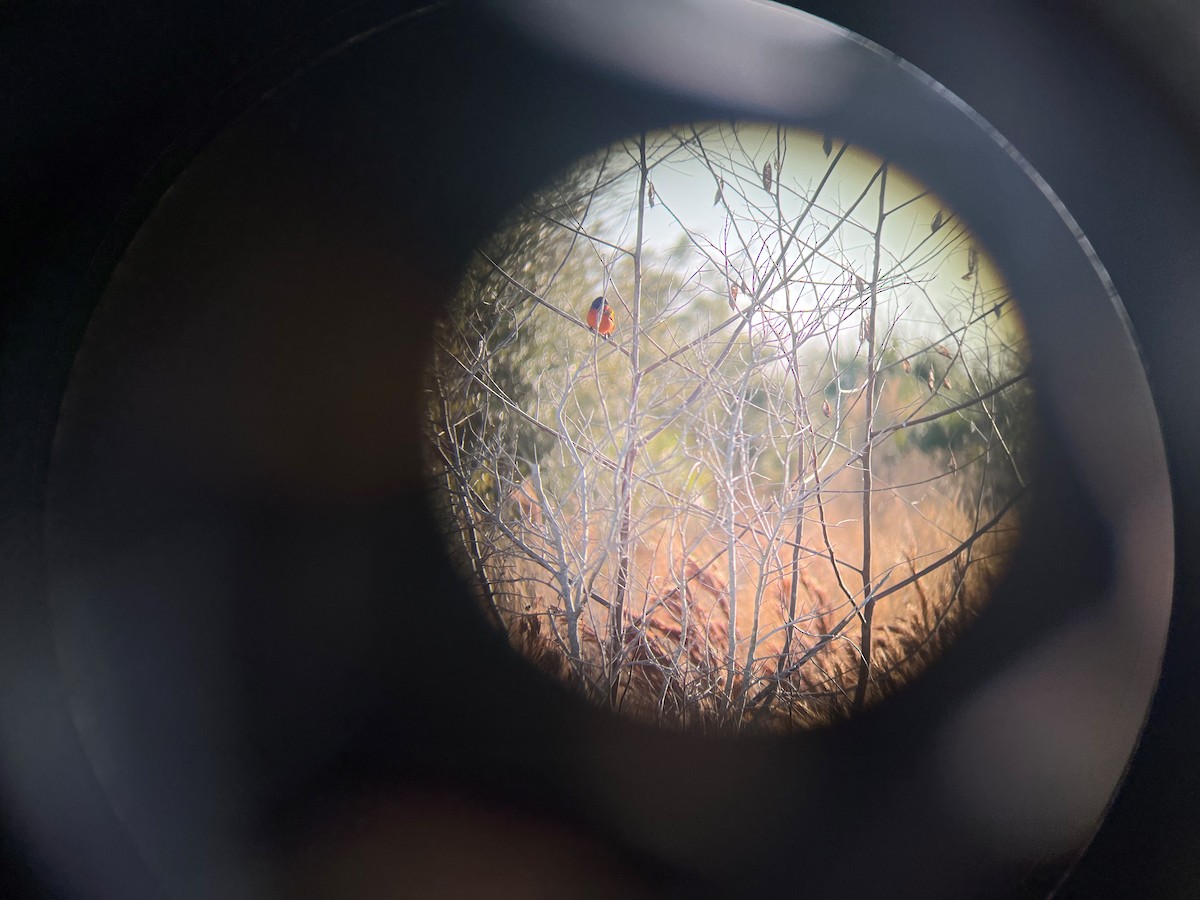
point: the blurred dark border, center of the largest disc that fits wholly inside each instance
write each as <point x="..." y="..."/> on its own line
<point x="101" y="103"/>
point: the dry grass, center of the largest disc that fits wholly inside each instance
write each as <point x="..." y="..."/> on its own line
<point x="673" y="665"/>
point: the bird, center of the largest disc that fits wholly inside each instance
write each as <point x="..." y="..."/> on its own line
<point x="937" y="222"/>
<point x="827" y="146"/>
<point x="600" y="318"/>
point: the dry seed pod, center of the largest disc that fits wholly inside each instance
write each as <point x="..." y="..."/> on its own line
<point x="937" y="222"/>
<point x="650" y="192"/>
<point x="827" y="409"/>
<point x="972" y="263"/>
<point x="906" y="366"/>
<point x="941" y="349"/>
<point x="767" y="175"/>
<point x="828" y="145"/>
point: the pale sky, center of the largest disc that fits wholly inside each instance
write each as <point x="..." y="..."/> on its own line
<point x="685" y="189"/>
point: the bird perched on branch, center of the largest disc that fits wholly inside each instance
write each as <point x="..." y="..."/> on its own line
<point x="600" y="318"/>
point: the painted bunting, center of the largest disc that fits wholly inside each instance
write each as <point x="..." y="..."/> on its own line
<point x="600" y="318"/>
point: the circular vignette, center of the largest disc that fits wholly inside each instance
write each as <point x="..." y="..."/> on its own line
<point x="1089" y="594"/>
<point x="772" y="471"/>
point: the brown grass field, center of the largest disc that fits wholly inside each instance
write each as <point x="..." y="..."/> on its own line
<point x="673" y="660"/>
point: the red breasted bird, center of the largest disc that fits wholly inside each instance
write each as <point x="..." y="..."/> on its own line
<point x="600" y="318"/>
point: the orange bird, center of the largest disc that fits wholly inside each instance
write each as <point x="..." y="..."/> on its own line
<point x="600" y="318"/>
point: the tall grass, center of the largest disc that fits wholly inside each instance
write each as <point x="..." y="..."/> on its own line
<point x="675" y="670"/>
